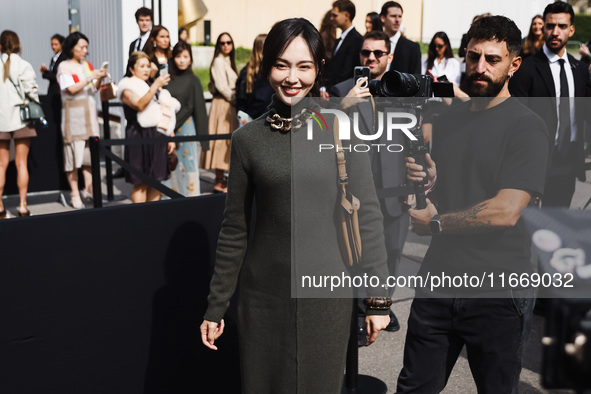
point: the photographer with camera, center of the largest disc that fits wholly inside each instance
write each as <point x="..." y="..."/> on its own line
<point x="387" y="167"/>
<point x="491" y="155"/>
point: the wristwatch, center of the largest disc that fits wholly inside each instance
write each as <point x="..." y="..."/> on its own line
<point x="435" y="225"/>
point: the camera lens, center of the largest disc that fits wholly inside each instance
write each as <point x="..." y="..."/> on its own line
<point x="397" y="84"/>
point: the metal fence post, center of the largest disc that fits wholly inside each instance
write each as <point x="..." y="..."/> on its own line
<point x="97" y="194"/>
<point x="108" y="162"/>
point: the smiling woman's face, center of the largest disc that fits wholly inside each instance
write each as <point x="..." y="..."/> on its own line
<point x="141" y="69"/>
<point x="294" y="72"/>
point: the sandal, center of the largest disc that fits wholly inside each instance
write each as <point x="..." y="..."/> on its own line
<point x="23" y="214"/>
<point x="77" y="203"/>
<point x="85" y="194"/>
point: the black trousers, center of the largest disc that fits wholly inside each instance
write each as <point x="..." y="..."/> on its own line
<point x="494" y="331"/>
<point x="560" y="179"/>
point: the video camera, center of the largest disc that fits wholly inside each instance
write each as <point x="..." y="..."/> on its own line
<point x="421" y="87"/>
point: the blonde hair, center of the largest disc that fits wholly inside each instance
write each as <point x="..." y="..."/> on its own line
<point x="10" y="44"/>
<point x="254" y="64"/>
<point x="133" y="59"/>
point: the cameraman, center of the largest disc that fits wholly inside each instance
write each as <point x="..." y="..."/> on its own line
<point x="491" y="154"/>
<point x="388" y="168"/>
<point x="375" y="54"/>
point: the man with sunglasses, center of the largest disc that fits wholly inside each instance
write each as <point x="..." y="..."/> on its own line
<point x="388" y="167"/>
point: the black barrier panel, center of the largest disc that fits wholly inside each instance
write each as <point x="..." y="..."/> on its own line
<point x="110" y="301"/>
<point x="46" y="168"/>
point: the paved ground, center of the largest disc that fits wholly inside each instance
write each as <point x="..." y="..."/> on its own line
<point x="384" y="358"/>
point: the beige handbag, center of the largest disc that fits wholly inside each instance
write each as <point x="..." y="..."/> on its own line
<point x="349" y="236"/>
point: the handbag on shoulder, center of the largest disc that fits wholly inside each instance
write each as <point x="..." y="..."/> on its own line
<point x="349" y="236"/>
<point x="30" y="110"/>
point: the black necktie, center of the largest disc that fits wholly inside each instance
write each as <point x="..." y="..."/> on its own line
<point x="52" y="64"/>
<point x="138" y="44"/>
<point x="564" y="131"/>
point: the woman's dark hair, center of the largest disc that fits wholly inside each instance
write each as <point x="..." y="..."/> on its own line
<point x="71" y="41"/>
<point x="432" y="53"/>
<point x="218" y="51"/>
<point x="282" y="34"/>
<point x="151" y="44"/>
<point x="328" y="32"/>
<point x="376" y="21"/>
<point x="532" y="44"/>
<point x="133" y="59"/>
<point x="177" y="50"/>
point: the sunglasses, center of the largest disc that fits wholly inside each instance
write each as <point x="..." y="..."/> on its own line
<point x="225" y="42"/>
<point x="439" y="46"/>
<point x="377" y="53"/>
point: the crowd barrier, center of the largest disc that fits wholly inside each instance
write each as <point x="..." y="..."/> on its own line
<point x="110" y="301"/>
<point x="98" y="147"/>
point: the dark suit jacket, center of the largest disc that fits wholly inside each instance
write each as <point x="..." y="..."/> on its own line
<point x="534" y="79"/>
<point x="51" y="76"/>
<point x="407" y="57"/>
<point x="133" y="44"/>
<point x="342" y="88"/>
<point x="344" y="61"/>
<point x="388" y="169"/>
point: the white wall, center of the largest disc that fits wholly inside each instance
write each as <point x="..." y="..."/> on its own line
<point x="35" y="22"/>
<point x="455" y="16"/>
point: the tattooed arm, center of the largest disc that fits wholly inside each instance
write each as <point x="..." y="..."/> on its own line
<point x="501" y="211"/>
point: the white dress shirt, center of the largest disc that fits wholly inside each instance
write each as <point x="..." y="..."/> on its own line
<point x="143" y="38"/>
<point x="450" y="67"/>
<point x="394" y="40"/>
<point x="555" y="69"/>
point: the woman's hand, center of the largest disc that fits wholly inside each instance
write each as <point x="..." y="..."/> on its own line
<point x="99" y="74"/>
<point x="375" y="324"/>
<point x="153" y="70"/>
<point x="171" y="147"/>
<point x="161" y="81"/>
<point x="210" y="331"/>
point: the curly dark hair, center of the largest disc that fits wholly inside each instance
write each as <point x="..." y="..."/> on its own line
<point x="497" y="28"/>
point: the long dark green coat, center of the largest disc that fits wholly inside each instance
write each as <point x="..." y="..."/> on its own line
<point x="289" y="345"/>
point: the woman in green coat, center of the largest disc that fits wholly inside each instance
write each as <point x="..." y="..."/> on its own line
<point x="290" y="343"/>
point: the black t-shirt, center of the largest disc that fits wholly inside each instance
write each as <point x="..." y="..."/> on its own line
<point x="478" y="153"/>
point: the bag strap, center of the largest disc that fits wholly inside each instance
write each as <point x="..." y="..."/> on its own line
<point x="341" y="161"/>
<point x="13" y="84"/>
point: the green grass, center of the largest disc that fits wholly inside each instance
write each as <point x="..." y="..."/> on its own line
<point x="203" y="74"/>
<point x="582" y="28"/>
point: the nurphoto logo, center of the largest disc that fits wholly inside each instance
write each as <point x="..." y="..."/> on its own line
<point x="389" y="122"/>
